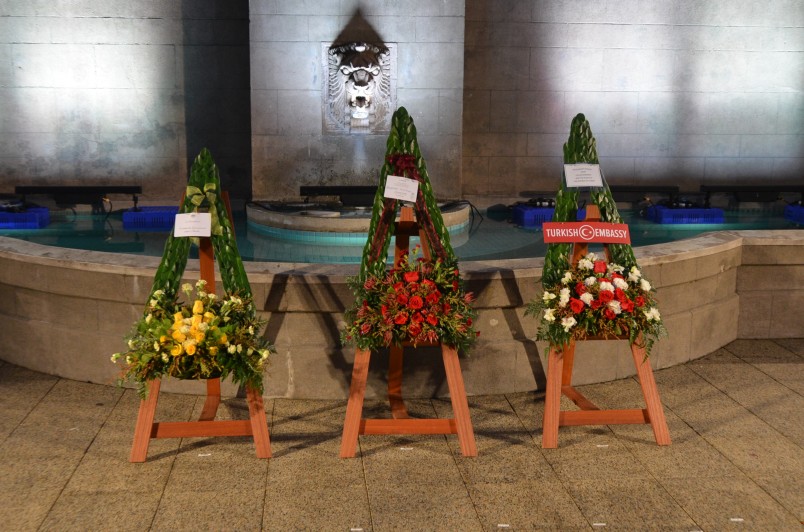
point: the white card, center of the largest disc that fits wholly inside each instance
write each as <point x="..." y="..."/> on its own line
<point x="401" y="188"/>
<point x="193" y="224"/>
<point x="583" y="175"/>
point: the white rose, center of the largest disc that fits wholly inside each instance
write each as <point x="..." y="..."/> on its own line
<point x="652" y="314"/>
<point x="568" y="323"/>
<point x="644" y="285"/>
<point x="563" y="298"/>
<point x="587" y="298"/>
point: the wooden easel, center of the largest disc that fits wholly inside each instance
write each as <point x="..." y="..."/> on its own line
<point x="354" y="424"/>
<point x="559" y="381"/>
<point x="206" y="426"/>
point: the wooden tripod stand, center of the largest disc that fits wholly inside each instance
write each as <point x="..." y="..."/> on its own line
<point x="559" y="381"/>
<point x="354" y="424"/>
<point x="206" y="426"/>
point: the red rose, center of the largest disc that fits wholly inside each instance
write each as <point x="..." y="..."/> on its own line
<point x="606" y="296"/>
<point x="610" y="315"/>
<point x="398" y="286"/>
<point x="455" y="285"/>
<point x="415" y="329"/>
<point x="401" y="318"/>
<point x="432" y="319"/>
<point x="365" y="328"/>
<point x="640" y="301"/>
<point x="417" y="317"/>
<point x="433" y="297"/>
<point x="627" y="305"/>
<point x="416" y="302"/>
<point x="413" y="287"/>
<point x="580" y="288"/>
<point x="596" y="304"/>
<point x="576" y="305"/>
<point x="620" y="295"/>
<point x="428" y="283"/>
<point x="402" y="299"/>
<point x="600" y="266"/>
<point x="447" y="308"/>
<point x="411" y="277"/>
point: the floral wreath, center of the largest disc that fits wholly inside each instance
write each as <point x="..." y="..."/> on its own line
<point x="204" y="338"/>
<point x="207" y="336"/>
<point x="417" y="302"/>
<point x="598" y="299"/>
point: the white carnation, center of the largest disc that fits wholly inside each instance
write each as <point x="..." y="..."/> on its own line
<point x="634" y="275"/>
<point x="605" y="285"/>
<point x="644" y="285"/>
<point x="615" y="306"/>
<point x="564" y="296"/>
<point x="549" y="315"/>
<point x="587" y="298"/>
<point x="620" y="283"/>
<point x="568" y="323"/>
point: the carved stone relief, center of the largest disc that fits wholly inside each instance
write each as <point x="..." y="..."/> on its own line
<point x="360" y="87"/>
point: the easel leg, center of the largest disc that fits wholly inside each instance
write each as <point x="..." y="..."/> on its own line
<point x="398" y="408"/>
<point x="145" y="421"/>
<point x="212" y="401"/>
<point x="354" y="407"/>
<point x="651" y="394"/>
<point x="460" y="406"/>
<point x="259" y="423"/>
<point x="552" y="399"/>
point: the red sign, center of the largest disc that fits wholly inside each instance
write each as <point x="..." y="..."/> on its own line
<point x="600" y="232"/>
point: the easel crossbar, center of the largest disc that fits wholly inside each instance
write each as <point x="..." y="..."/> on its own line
<point x="196" y="429"/>
<point x="632" y="416"/>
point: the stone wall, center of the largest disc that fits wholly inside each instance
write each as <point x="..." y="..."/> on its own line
<point x="290" y="148"/>
<point x="682" y="92"/>
<point x="123" y="93"/>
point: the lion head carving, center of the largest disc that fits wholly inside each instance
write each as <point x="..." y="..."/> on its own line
<point x="359" y="87"/>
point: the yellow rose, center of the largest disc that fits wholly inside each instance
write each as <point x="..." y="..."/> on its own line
<point x="163" y="339"/>
<point x="196" y="320"/>
<point x="177" y="317"/>
<point x="223" y="339"/>
<point x="190" y="348"/>
<point x="176" y="350"/>
<point x="199" y="336"/>
<point x="213" y="350"/>
<point x="179" y="336"/>
<point x="198" y="307"/>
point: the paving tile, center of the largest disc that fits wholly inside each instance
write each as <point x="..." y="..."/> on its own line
<point x="222" y="509"/>
<point x="629" y="504"/>
<point x="785" y="489"/>
<point x="794" y="345"/>
<point x="721" y="503"/>
<point x="22" y="390"/>
<point x="414" y="506"/>
<point x="105" y="510"/>
<point x="757" y="392"/>
<point x="526" y="505"/>
<point x="311" y="506"/>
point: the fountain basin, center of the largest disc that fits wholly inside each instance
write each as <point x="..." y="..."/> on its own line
<point x="65" y="311"/>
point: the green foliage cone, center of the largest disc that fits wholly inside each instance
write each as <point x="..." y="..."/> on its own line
<point x="581" y="147"/>
<point x="402" y="141"/>
<point x="203" y="191"/>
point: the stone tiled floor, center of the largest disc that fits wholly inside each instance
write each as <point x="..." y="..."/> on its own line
<point x="736" y="462"/>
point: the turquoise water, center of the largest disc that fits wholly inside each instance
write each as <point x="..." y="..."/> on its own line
<point x="491" y="238"/>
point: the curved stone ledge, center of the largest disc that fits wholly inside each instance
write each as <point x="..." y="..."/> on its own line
<point x="64" y="312"/>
